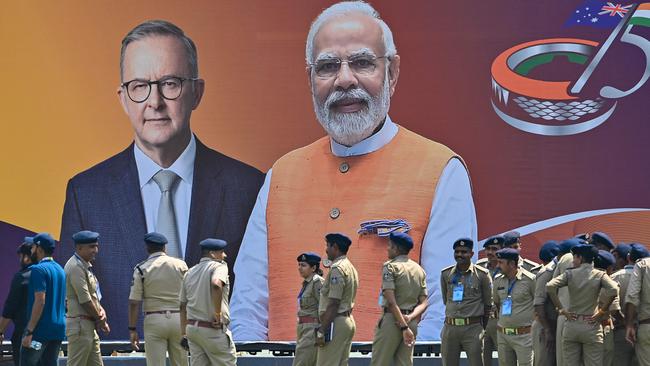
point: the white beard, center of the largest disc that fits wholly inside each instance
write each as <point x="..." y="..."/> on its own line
<point x="351" y="128"/>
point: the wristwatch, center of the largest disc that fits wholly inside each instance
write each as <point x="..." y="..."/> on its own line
<point x="404" y="328"/>
<point x="320" y="334"/>
<point x="28" y="332"/>
<point x="132" y="328"/>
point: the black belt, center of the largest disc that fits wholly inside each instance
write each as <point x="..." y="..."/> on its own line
<point x="345" y="313"/>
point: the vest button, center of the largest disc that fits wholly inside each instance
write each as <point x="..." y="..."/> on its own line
<point x="344" y="167"/>
<point x="335" y="213"/>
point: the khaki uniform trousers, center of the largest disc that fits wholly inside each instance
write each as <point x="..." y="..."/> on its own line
<point x="337" y="351"/>
<point x="559" y="341"/>
<point x="608" y="346"/>
<point x="542" y="354"/>
<point x="468" y="338"/>
<point x="515" y="349"/>
<point x="582" y="341"/>
<point x="306" y="349"/>
<point x="642" y="346"/>
<point x="388" y="346"/>
<point x="211" y="347"/>
<point x="83" y="343"/>
<point x="490" y="341"/>
<point x="162" y="334"/>
<point x="624" y="351"/>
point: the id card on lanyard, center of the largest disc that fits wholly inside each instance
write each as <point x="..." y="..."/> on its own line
<point x="506" y="306"/>
<point x="458" y="288"/>
<point x="302" y="290"/>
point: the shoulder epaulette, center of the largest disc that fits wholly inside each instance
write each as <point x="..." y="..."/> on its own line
<point x="482" y="269"/>
<point x="447" y="268"/>
<point x="528" y="274"/>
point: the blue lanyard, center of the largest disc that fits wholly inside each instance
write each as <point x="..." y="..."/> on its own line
<point x="458" y="275"/>
<point x="511" y="286"/>
<point x="496" y="272"/>
<point x="304" y="286"/>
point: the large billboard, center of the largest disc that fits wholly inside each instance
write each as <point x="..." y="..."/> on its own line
<point x="549" y="115"/>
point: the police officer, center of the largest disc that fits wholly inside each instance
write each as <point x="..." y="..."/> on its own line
<point x="334" y="336"/>
<point x="583" y="333"/>
<point x="16" y="302"/>
<point x="309" y="269"/>
<point x="205" y="313"/>
<point x="545" y="314"/>
<point x="620" y="252"/>
<point x="83" y="297"/>
<point x="637" y="307"/>
<point x="605" y="261"/>
<point x="157" y="282"/>
<point x="513" y="294"/>
<point x="601" y="241"/>
<point x="564" y="262"/>
<point x="404" y="299"/>
<point x="491" y="263"/>
<point x="512" y="239"/>
<point x="466" y="293"/>
<point x="623" y="349"/>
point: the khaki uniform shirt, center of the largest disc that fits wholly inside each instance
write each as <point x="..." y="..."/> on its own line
<point x="584" y="284"/>
<point x="309" y="296"/>
<point x="157" y="281"/>
<point x="622" y="277"/>
<point x="197" y="290"/>
<point x="523" y="294"/>
<point x="638" y="291"/>
<point x="341" y="283"/>
<point x="529" y="265"/>
<point x="544" y="275"/>
<point x="477" y="295"/>
<point x="80" y="286"/>
<point x="484" y="263"/>
<point x="565" y="262"/>
<point x="407" y="279"/>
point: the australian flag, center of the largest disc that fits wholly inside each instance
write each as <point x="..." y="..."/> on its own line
<point x="600" y="14"/>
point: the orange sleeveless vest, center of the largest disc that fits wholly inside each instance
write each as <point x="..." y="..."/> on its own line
<point x="313" y="192"/>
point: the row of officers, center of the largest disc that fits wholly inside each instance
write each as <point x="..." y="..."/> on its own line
<point x="588" y="303"/>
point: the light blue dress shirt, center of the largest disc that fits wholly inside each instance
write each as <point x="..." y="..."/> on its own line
<point x="182" y="192"/>
<point x="452" y="216"/>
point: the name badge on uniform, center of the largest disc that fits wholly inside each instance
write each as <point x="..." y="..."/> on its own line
<point x="506" y="307"/>
<point x="457" y="293"/>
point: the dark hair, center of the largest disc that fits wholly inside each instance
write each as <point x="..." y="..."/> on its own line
<point x="47" y="250"/>
<point x="342" y="248"/>
<point x="161" y="28"/>
<point x="153" y="248"/>
<point x="318" y="270"/>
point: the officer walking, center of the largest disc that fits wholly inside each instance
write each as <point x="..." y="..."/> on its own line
<point x="513" y="294"/>
<point x="83" y="297"/>
<point x="466" y="293"/>
<point x="637" y="310"/>
<point x="334" y="336"/>
<point x="157" y="282"/>
<point x="491" y="263"/>
<point x="545" y="313"/>
<point x="16" y="301"/>
<point x="583" y="332"/>
<point x="404" y="299"/>
<point x="205" y="313"/>
<point x="308" y="298"/>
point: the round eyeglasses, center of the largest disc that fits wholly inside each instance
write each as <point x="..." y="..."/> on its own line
<point x="170" y="88"/>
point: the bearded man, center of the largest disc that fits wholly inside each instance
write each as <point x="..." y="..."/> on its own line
<point x="367" y="168"/>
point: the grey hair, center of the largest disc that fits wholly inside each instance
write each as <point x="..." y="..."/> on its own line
<point x="345" y="8"/>
<point x="161" y="28"/>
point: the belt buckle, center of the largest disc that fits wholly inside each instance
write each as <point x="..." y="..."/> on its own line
<point x="459" y="321"/>
<point x="510" y="331"/>
<point x="168" y="314"/>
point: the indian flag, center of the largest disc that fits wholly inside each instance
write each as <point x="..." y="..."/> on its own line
<point x="641" y="15"/>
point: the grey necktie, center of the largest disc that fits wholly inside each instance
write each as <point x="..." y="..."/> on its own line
<point x="166" y="224"/>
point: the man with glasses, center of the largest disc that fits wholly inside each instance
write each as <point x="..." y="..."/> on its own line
<point x="367" y="168"/>
<point x="167" y="181"/>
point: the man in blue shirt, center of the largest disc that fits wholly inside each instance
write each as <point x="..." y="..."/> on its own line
<point x="16" y="302"/>
<point x="45" y="306"/>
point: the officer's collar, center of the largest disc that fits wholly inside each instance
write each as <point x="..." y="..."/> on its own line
<point x="469" y="269"/>
<point x="82" y="261"/>
<point x="338" y="259"/>
<point x="401" y="258"/>
<point x="156" y="254"/>
<point x="629" y="266"/>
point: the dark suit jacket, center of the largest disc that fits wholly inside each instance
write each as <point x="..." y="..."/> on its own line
<point x="106" y="199"/>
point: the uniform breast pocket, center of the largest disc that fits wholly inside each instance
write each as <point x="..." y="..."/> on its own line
<point x="307" y="301"/>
